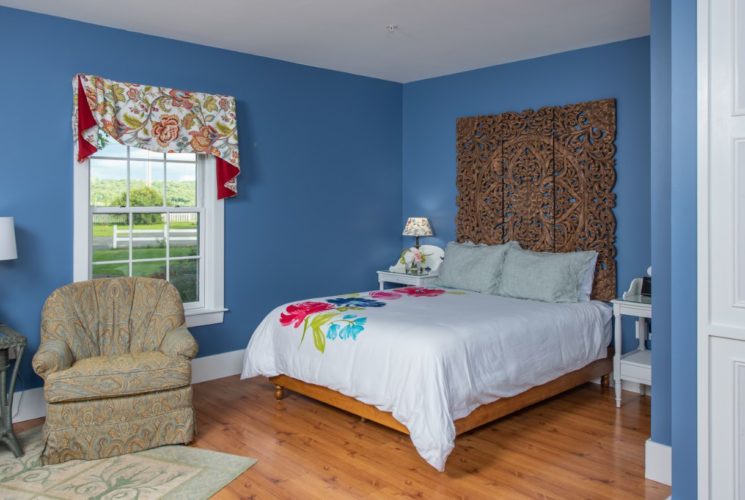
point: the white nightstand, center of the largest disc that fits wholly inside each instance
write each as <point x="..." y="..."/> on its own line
<point x="405" y="279"/>
<point x="635" y="366"/>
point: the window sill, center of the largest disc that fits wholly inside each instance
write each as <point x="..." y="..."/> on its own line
<point x="202" y="317"/>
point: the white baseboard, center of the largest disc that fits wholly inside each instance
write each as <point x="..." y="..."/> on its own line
<point x="30" y="404"/>
<point x="216" y="366"/>
<point x="658" y="460"/>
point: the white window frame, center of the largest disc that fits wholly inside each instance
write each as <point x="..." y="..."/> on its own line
<point x="211" y="307"/>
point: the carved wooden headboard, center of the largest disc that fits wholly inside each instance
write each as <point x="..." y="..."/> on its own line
<point x="543" y="178"/>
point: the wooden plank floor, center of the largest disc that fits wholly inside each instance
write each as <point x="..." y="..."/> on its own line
<point x="576" y="445"/>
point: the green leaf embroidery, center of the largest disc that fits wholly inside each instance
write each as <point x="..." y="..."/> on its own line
<point x="131" y="121"/>
<point x="210" y="104"/>
<point x="117" y="93"/>
<point x="223" y="129"/>
<point x="319" y="339"/>
<point x="188" y="120"/>
<point x="305" y="329"/>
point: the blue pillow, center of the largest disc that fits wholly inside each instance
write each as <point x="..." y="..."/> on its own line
<point x="544" y="276"/>
<point x="473" y="267"/>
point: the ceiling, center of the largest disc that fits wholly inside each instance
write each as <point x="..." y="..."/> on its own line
<point x="432" y="37"/>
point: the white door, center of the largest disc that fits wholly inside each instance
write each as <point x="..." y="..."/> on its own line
<point x="721" y="249"/>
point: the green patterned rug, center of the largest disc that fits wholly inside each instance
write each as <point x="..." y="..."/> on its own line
<point x="165" y="472"/>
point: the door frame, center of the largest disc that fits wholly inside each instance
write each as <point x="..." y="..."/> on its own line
<point x="702" y="247"/>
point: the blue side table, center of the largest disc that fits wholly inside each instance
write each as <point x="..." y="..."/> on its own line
<point x="9" y="339"/>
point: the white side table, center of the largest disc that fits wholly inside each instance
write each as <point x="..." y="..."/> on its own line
<point x="635" y="366"/>
<point x="405" y="279"/>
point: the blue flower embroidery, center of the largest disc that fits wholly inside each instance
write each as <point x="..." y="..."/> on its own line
<point x="354" y="325"/>
<point x="355" y="302"/>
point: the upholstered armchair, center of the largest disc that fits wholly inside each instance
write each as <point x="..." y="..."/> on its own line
<point x="115" y="357"/>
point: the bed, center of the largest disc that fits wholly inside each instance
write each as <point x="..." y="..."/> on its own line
<point x="437" y="362"/>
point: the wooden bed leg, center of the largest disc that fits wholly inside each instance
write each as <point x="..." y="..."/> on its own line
<point x="605" y="380"/>
<point x="279" y="392"/>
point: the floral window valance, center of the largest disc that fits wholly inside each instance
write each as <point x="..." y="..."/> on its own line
<point x="158" y="119"/>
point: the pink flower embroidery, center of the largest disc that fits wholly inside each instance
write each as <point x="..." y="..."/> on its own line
<point x="181" y="99"/>
<point x="166" y="130"/>
<point x="297" y="312"/>
<point x="202" y="141"/>
<point x="418" y="291"/>
<point x="385" y="295"/>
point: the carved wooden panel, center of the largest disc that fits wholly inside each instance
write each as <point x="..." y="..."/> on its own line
<point x="543" y="178"/>
<point x="480" y="187"/>
<point x="585" y="173"/>
<point x="528" y="189"/>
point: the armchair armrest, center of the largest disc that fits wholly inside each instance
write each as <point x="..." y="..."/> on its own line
<point x="179" y="342"/>
<point x="52" y="356"/>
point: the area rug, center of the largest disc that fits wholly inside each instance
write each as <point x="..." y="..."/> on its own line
<point x="165" y="472"/>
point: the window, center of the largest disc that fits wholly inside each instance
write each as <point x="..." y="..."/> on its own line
<point x="141" y="213"/>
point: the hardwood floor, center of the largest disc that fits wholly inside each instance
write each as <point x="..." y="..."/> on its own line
<point x="576" y="445"/>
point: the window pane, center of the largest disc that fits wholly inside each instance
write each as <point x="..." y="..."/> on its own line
<point x="184" y="276"/>
<point x="148" y="236"/>
<point x="181" y="156"/>
<point x="182" y="186"/>
<point x="146" y="174"/>
<point x="144" y="154"/>
<point x="183" y="234"/>
<point x="155" y="269"/>
<point x="110" y="270"/>
<point x="112" y="150"/>
<point x="146" y="184"/>
<point x="108" y="183"/>
<point x="110" y="237"/>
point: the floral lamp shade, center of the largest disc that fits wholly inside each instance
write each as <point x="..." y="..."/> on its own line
<point x="7" y="239"/>
<point x="417" y="226"/>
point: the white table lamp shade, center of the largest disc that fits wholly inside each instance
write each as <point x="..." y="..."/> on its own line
<point x="417" y="226"/>
<point x="7" y="239"/>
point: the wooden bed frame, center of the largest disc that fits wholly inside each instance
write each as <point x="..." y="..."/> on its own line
<point x="543" y="178"/>
<point x="480" y="416"/>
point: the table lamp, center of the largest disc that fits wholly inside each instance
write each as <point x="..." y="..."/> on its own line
<point x="417" y="226"/>
<point x="7" y="239"/>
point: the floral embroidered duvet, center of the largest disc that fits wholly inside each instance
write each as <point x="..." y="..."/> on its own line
<point x="427" y="355"/>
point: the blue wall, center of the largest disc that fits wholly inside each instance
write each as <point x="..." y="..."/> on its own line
<point x="619" y="70"/>
<point x="683" y="246"/>
<point x="320" y="192"/>
<point x="661" y="126"/>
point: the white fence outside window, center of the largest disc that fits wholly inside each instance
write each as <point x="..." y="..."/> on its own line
<point x="152" y="235"/>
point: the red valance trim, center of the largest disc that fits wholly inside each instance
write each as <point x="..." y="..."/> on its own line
<point x="85" y="121"/>
<point x="225" y="173"/>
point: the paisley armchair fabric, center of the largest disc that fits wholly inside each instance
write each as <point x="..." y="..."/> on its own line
<point x="52" y="356"/>
<point x="115" y="357"/>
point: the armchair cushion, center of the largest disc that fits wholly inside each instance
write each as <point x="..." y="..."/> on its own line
<point x="52" y="356"/>
<point x="179" y="342"/>
<point x="119" y="375"/>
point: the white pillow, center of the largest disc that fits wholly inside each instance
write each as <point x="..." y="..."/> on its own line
<point x="585" y="289"/>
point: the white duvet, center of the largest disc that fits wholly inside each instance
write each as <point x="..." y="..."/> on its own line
<point x="428" y="356"/>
